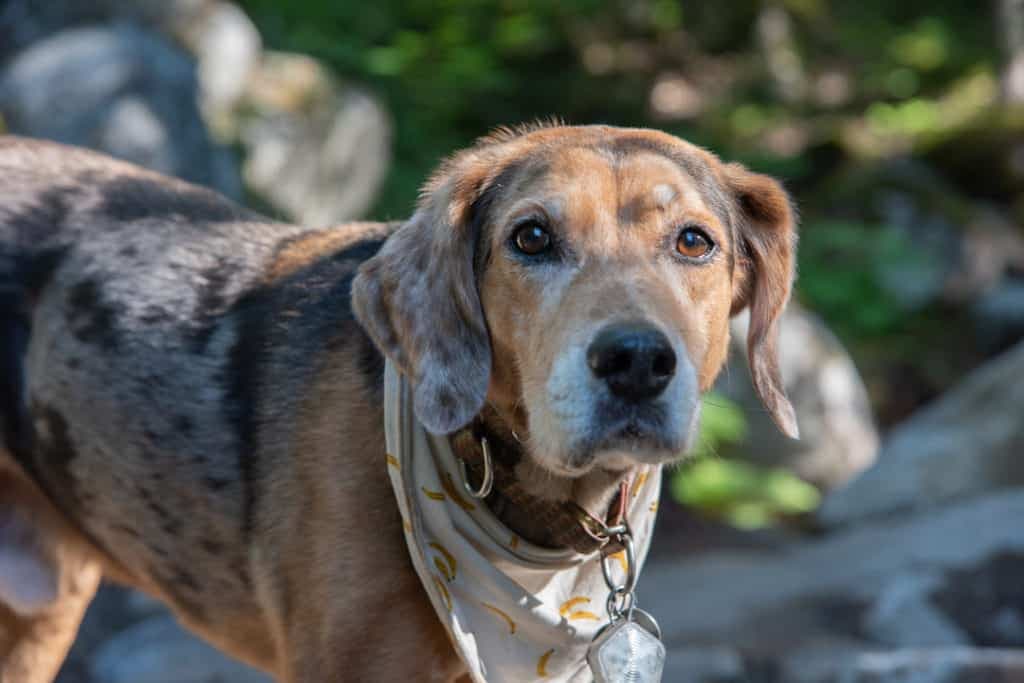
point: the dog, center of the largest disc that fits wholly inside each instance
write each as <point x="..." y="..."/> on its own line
<point x="191" y="397"/>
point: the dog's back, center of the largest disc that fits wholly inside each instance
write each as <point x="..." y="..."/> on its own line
<point x="138" y="318"/>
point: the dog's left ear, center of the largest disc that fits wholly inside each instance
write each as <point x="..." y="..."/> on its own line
<point x="418" y="299"/>
<point x="765" y="270"/>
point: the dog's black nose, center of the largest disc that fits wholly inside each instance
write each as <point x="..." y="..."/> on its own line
<point x="635" y="359"/>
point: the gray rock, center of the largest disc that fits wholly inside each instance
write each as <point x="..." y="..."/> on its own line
<point x="23" y="22"/>
<point x="158" y="650"/>
<point x="954" y="665"/>
<point x="122" y="90"/>
<point x="838" y="438"/>
<point x="903" y="615"/>
<point x="999" y="315"/>
<point x="843" y="586"/>
<point x="917" y="665"/>
<point x="705" y="665"/>
<point x="316" y="150"/>
<point x="966" y="443"/>
<point x="227" y="46"/>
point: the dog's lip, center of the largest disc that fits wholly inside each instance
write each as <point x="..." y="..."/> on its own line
<point x="627" y="436"/>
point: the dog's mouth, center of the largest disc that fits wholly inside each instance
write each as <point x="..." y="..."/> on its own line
<point x="626" y="437"/>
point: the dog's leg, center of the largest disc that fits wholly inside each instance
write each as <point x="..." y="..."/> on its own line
<point x="408" y="645"/>
<point x="47" y="580"/>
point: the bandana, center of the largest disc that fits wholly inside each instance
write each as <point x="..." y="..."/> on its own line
<point x="514" y="611"/>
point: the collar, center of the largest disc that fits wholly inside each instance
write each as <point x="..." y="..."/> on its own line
<point x="565" y="524"/>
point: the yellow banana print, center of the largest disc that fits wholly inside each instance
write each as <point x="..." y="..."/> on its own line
<point x="503" y="615"/>
<point x="443" y="568"/>
<point x="443" y="590"/>
<point x="432" y="495"/>
<point x="542" y="663"/>
<point x="448" y="557"/>
<point x="449" y="487"/>
<point x="621" y="558"/>
<point x="566" y="610"/>
<point x="641" y="479"/>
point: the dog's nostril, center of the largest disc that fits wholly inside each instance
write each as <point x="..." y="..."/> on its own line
<point x="636" y="360"/>
<point x="610" y="363"/>
<point x="664" y="364"/>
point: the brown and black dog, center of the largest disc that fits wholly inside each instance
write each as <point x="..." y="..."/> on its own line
<point x="191" y="394"/>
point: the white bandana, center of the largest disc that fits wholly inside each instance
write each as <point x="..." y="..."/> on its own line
<point x="514" y="611"/>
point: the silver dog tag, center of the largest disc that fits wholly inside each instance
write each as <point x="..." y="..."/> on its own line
<point x="629" y="649"/>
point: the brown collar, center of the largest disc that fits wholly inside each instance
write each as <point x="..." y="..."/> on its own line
<point x="557" y="524"/>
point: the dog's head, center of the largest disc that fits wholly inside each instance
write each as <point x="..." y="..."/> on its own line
<point x="581" y="280"/>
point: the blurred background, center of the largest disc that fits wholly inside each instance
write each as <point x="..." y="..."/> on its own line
<point x="888" y="544"/>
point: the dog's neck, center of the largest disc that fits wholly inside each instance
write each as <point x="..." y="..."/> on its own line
<point x="533" y="502"/>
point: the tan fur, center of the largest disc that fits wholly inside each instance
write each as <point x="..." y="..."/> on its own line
<point x="33" y="646"/>
<point x="316" y="585"/>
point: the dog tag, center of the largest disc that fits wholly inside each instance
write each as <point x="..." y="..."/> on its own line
<point x="629" y="649"/>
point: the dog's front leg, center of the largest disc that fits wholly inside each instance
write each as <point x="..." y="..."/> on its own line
<point x="401" y="640"/>
<point x="47" y="580"/>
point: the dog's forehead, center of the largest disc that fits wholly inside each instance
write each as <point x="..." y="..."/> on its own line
<point x="602" y="184"/>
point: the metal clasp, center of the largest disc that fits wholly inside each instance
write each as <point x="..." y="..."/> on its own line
<point x="621" y="597"/>
<point x="488" y="481"/>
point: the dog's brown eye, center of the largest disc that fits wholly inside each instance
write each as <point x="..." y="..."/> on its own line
<point x="531" y="239"/>
<point x="694" y="243"/>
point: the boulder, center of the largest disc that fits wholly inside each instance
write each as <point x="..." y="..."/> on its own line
<point x="316" y="150"/>
<point x="967" y="443"/>
<point x="120" y="89"/>
<point x="948" y="579"/>
<point x="999" y="315"/>
<point x="838" y="438"/>
<point x="228" y="48"/>
<point x="158" y="650"/>
<point x="953" y="665"/>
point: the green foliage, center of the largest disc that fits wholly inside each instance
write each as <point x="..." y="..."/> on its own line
<point x="721" y="423"/>
<point x="743" y="494"/>
<point x="843" y="266"/>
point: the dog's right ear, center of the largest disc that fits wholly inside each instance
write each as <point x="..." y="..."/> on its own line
<point x="418" y="299"/>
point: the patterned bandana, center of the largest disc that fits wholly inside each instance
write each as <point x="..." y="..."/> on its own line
<point x="514" y="611"/>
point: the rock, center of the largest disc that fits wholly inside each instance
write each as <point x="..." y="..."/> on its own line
<point x="23" y="22"/>
<point x="111" y="611"/>
<point x="845" y="590"/>
<point x="999" y="315"/>
<point x="838" y="438"/>
<point x="697" y="664"/>
<point x="227" y="46"/>
<point x="954" y="665"/>
<point x="903" y="615"/>
<point x="316" y="150"/>
<point x="119" y="89"/>
<point x="966" y="443"/>
<point x="992" y="248"/>
<point x="158" y="650"/>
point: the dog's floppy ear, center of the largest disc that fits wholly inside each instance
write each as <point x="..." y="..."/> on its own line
<point x="418" y="299"/>
<point x="766" y="255"/>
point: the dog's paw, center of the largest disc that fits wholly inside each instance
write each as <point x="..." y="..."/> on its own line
<point x="28" y="579"/>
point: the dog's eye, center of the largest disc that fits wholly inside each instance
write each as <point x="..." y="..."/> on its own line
<point x="531" y="238"/>
<point x="694" y="243"/>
